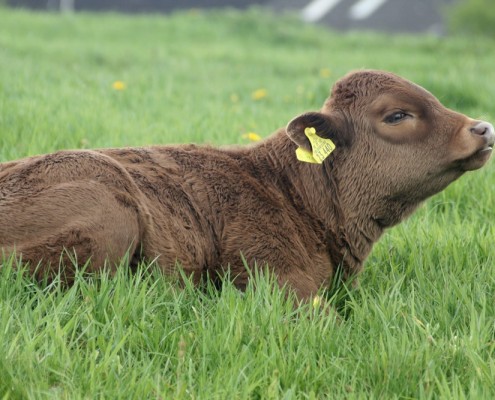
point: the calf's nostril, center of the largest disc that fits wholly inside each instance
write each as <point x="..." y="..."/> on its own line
<point x="482" y="129"/>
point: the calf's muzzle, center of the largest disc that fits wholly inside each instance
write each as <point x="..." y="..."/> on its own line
<point x="484" y="129"/>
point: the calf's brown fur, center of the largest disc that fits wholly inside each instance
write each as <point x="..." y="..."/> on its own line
<point x="207" y="208"/>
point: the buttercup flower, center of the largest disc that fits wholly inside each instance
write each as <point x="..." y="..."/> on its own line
<point x="259" y="94"/>
<point x="325" y="72"/>
<point x="253" y="137"/>
<point x="118" y="85"/>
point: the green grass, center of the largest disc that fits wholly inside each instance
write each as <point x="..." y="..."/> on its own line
<point x="422" y="323"/>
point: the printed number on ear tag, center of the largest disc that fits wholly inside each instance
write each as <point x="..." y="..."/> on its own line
<point x="322" y="148"/>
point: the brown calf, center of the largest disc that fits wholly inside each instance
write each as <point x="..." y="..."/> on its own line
<point x="395" y="145"/>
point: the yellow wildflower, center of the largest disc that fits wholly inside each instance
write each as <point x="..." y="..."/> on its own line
<point x="259" y="94"/>
<point x="118" y="85"/>
<point x="253" y="137"/>
<point x="316" y="301"/>
<point x="325" y="73"/>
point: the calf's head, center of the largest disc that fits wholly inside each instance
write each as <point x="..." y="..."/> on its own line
<point x="395" y="142"/>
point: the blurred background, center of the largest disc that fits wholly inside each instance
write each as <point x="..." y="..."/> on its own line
<point x="95" y="72"/>
<point x="436" y="17"/>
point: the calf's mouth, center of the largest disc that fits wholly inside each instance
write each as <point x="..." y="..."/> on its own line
<point x="483" y="153"/>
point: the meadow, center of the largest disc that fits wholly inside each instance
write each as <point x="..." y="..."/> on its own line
<point x="420" y="325"/>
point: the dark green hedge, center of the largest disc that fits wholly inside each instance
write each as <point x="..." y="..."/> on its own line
<point x="472" y="17"/>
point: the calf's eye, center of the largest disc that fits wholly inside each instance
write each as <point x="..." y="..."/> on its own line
<point x="395" y="118"/>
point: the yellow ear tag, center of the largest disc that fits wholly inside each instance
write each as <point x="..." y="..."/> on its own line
<point x="305" y="156"/>
<point x="321" y="148"/>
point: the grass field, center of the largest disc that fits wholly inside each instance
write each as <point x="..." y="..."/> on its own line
<point x="422" y="323"/>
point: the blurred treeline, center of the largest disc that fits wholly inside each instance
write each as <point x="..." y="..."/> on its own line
<point x="472" y="17"/>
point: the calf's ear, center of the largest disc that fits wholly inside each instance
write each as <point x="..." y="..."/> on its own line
<point x="312" y="132"/>
<point x="320" y="122"/>
<point x="327" y="126"/>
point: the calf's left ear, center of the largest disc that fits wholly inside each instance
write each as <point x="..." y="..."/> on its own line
<point x="312" y="132"/>
<point x="320" y="122"/>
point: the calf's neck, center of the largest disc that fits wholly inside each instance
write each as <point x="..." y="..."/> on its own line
<point x="386" y="143"/>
